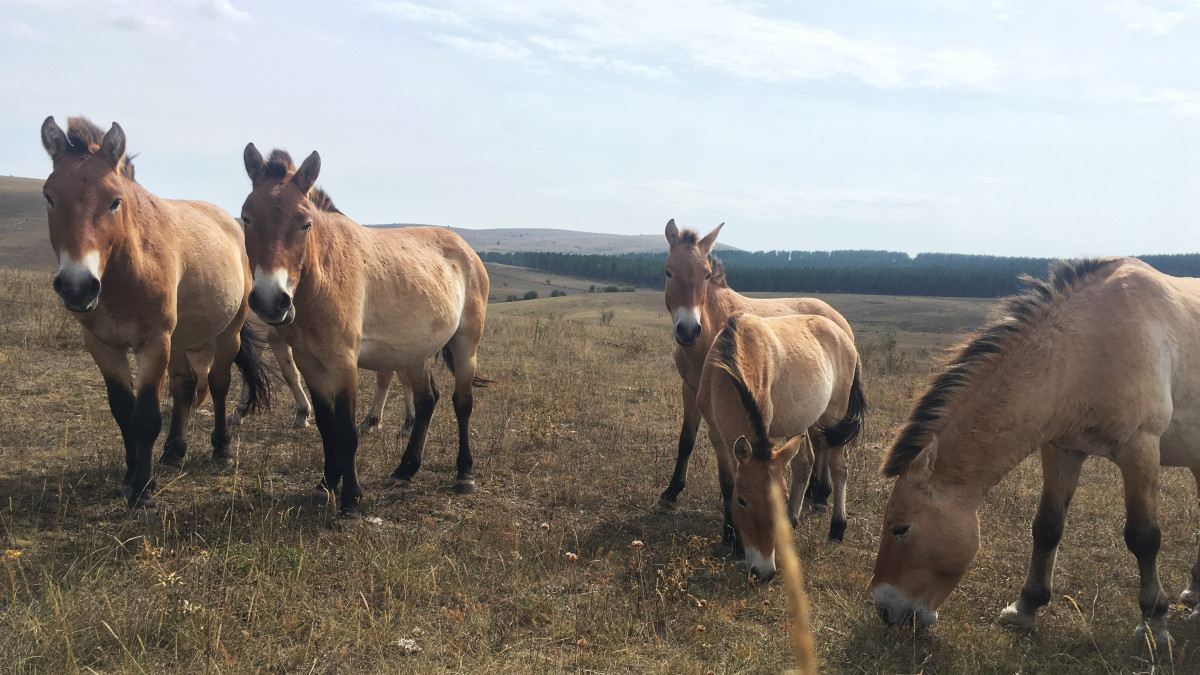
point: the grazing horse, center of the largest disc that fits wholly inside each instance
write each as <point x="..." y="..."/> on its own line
<point x="165" y="279"/>
<point x="699" y="301"/>
<point x="287" y="367"/>
<point x="345" y="296"/>
<point x="1103" y="359"/>
<point x="789" y="376"/>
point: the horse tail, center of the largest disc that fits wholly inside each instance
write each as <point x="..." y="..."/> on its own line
<point x="848" y="428"/>
<point x="254" y="371"/>
<point x="479" y="380"/>
<point x="724" y="355"/>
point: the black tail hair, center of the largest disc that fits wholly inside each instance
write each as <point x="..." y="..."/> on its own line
<point x="848" y="428"/>
<point x="254" y="372"/>
<point x="479" y="381"/>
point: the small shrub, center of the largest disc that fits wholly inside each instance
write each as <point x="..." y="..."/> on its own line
<point x="530" y="295"/>
<point x="511" y="298"/>
<point x="606" y="316"/>
<point x="557" y="293"/>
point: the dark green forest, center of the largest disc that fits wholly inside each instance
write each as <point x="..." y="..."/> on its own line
<point x="871" y="272"/>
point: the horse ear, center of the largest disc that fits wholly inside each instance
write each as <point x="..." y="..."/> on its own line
<point x="53" y="139"/>
<point x="742" y="451"/>
<point x="922" y="465"/>
<point x="112" y="147"/>
<point x="788" y="450"/>
<point x="672" y="233"/>
<point x="256" y="166"/>
<point x="709" y="239"/>
<point x="306" y="176"/>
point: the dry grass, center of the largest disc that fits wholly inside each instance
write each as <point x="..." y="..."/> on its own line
<point x="237" y="574"/>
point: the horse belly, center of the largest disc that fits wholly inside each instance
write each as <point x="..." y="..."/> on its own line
<point x="796" y="405"/>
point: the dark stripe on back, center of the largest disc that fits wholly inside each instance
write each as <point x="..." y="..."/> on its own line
<point x="726" y="350"/>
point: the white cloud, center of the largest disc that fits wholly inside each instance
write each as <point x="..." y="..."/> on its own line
<point x="498" y="50"/>
<point x="221" y="10"/>
<point x="726" y="36"/>
<point x="1142" y="16"/>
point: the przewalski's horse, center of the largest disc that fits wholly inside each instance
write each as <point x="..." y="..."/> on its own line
<point x="287" y="367"/>
<point x="345" y="296"/>
<point x="765" y="378"/>
<point x="1101" y="360"/>
<point x="700" y="300"/>
<point x="164" y="279"/>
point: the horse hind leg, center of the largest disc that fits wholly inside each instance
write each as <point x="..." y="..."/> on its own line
<point x="383" y="380"/>
<point x="804" y="464"/>
<point x="1060" y="476"/>
<point x="425" y="398"/>
<point x="226" y="350"/>
<point x="291" y="375"/>
<point x="461" y="352"/>
<point x="183" y="386"/>
<point x="1191" y="595"/>
<point x="838" y="474"/>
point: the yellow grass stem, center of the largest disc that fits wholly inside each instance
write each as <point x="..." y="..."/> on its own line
<point x="793" y="578"/>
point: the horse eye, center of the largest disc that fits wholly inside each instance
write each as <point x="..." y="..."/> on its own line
<point x="741" y="502"/>
<point x="306" y="226"/>
<point x="708" y="276"/>
<point x="115" y="205"/>
<point x="49" y="201"/>
<point x="900" y="530"/>
<point x="667" y="271"/>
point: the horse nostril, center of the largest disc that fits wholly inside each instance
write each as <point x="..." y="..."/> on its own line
<point x="94" y="287"/>
<point x="58" y="284"/>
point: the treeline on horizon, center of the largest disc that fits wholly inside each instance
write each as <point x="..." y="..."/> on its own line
<point x="868" y="272"/>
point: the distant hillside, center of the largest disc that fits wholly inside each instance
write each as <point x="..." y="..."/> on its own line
<point x="24" y="241"/>
<point x="561" y="241"/>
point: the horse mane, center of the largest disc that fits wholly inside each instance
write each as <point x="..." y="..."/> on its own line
<point x="718" y="268"/>
<point x="280" y="164"/>
<point x="1015" y="314"/>
<point x="84" y="138"/>
<point x="726" y="357"/>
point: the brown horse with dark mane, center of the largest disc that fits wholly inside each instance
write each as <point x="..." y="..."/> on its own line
<point x="165" y="279"/>
<point x="700" y="302"/>
<point x="1102" y="360"/>
<point x="346" y="296"/>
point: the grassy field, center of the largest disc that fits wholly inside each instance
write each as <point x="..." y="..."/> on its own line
<point x="573" y="446"/>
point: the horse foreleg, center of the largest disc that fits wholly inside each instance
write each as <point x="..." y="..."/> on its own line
<point x="291" y="375"/>
<point x="1191" y="596"/>
<point x="118" y="381"/>
<point x="182" y="382"/>
<point x="802" y="467"/>
<point x="687" y="442"/>
<point x="1060" y="476"/>
<point x="383" y="380"/>
<point x="425" y="398"/>
<point x="726" y="474"/>
<point x="1139" y="464"/>
<point x="334" y="394"/>
<point x="146" y="420"/>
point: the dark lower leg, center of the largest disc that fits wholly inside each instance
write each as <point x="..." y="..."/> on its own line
<point x="410" y="462"/>
<point x="323" y="411"/>
<point x="346" y="439"/>
<point x="462" y="411"/>
<point x="687" y="442"/>
<point x="145" y="425"/>
<point x="218" y="386"/>
<point x="183" y="392"/>
<point x="1143" y="538"/>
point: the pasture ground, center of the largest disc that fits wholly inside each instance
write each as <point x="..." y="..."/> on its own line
<point x="238" y="574"/>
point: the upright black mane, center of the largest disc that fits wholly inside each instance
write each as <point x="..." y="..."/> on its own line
<point x="725" y="347"/>
<point x="280" y="164"/>
<point x="84" y="138"/>
<point x="1015" y="313"/>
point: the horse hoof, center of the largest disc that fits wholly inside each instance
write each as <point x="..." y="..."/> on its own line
<point x="401" y="483"/>
<point x="300" y="422"/>
<point x="233" y="419"/>
<point x="348" y="515"/>
<point x="144" y="510"/>
<point x="1156" y="637"/>
<point x="1016" y="620"/>
<point x="126" y="491"/>
<point x="464" y="486"/>
<point x="222" y="461"/>
<point x="319" y="499"/>
<point x="1190" y="598"/>
<point x="665" y="504"/>
<point x="171" y="460"/>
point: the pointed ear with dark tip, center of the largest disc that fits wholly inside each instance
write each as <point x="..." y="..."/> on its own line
<point x="306" y="176"/>
<point x="53" y="139"/>
<point x="742" y="451"/>
<point x="788" y="450"/>
<point x="112" y="148"/>
<point x="672" y="233"/>
<point x="709" y="239"/>
<point x="256" y="166"/>
<point x="922" y="465"/>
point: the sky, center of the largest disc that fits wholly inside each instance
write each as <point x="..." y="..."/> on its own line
<point x="1056" y="128"/>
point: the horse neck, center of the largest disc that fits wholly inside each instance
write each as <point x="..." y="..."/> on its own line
<point x="136" y="233"/>
<point x="326" y="263"/>
<point x="1007" y="412"/>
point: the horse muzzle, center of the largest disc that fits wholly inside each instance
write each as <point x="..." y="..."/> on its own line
<point x="80" y="293"/>
<point x="275" y="309"/>
<point x="897" y="610"/>
<point x="686" y="335"/>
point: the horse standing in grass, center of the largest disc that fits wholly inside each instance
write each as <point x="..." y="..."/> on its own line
<point x="790" y="376"/>
<point x="287" y="367"/>
<point x="345" y="296"/>
<point x="700" y="301"/>
<point x="165" y="279"/>
<point x="1101" y="360"/>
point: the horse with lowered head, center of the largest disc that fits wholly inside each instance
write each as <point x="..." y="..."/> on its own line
<point x="770" y="378"/>
<point x="165" y="279"/>
<point x="345" y="296"/>
<point x="1103" y="359"/>
<point x="700" y="301"/>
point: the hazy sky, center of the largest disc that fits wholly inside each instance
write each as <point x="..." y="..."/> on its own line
<point x="1009" y="127"/>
